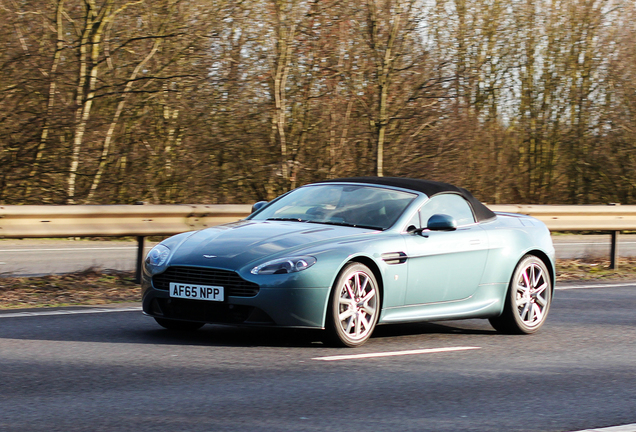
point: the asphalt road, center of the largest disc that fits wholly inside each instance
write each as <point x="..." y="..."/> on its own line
<point x="592" y="246"/>
<point x="118" y="370"/>
<point x="31" y="257"/>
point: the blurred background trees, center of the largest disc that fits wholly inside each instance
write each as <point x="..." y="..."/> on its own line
<point x="229" y="101"/>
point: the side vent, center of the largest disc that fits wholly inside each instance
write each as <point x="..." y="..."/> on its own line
<point x="394" y="257"/>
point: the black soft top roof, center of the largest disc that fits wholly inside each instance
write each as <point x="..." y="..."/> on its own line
<point x="428" y="187"/>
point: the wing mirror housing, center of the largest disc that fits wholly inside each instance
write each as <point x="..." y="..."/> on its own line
<point x="259" y="205"/>
<point x="441" y="222"/>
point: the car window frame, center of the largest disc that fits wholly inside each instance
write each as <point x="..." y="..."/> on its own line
<point x="419" y="213"/>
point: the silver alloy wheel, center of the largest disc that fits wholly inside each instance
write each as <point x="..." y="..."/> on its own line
<point x="527" y="300"/>
<point x="357" y="306"/>
<point x="532" y="295"/>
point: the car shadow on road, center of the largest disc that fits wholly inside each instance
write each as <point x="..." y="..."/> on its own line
<point x="468" y="327"/>
<point x="130" y="329"/>
<point x="216" y="335"/>
<point x="274" y="337"/>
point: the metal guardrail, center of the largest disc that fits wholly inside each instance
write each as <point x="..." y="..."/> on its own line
<point x="149" y="220"/>
<point x="578" y="218"/>
<point x="612" y="218"/>
<point x="113" y="220"/>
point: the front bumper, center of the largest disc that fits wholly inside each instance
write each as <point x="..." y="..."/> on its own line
<point x="272" y="306"/>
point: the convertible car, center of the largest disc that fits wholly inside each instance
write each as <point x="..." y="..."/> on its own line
<point x="348" y="254"/>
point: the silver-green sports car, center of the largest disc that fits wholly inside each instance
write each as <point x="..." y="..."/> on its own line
<point x="348" y="254"/>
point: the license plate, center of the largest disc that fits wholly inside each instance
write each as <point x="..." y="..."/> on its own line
<point x="196" y="292"/>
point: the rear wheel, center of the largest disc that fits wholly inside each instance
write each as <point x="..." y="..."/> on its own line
<point x="528" y="298"/>
<point x="179" y="325"/>
<point x="354" y="306"/>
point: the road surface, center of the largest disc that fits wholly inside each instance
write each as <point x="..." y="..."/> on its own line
<point x="115" y="369"/>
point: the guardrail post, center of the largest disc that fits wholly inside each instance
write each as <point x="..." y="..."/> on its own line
<point x="614" y="251"/>
<point x="140" y="258"/>
<point x="140" y="253"/>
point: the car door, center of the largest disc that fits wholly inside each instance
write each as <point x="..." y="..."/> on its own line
<point x="445" y="265"/>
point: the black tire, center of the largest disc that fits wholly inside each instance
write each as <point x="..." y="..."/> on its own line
<point x="179" y="325"/>
<point x="528" y="298"/>
<point x="354" y="306"/>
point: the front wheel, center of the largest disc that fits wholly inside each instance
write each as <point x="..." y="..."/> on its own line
<point x="528" y="298"/>
<point x="354" y="306"/>
<point x="179" y="325"/>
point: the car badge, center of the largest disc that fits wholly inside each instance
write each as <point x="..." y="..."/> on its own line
<point x="209" y="256"/>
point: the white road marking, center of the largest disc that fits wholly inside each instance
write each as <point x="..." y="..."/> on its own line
<point x="617" y="285"/>
<point x="622" y="428"/>
<point x="69" y="249"/>
<point x="590" y="244"/>
<point x="69" y="312"/>
<point x="394" y="353"/>
<point x="74" y="249"/>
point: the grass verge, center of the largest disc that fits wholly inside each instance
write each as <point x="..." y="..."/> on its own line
<point x="99" y="287"/>
<point x="595" y="269"/>
<point x="89" y="287"/>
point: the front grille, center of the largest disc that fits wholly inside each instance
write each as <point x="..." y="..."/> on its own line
<point x="234" y="285"/>
<point x="193" y="310"/>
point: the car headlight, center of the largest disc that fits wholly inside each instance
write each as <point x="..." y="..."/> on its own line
<point x="157" y="258"/>
<point x="285" y="265"/>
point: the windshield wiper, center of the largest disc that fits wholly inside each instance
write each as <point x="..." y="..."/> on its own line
<point x="349" y="225"/>
<point x="292" y="219"/>
<point x="288" y="219"/>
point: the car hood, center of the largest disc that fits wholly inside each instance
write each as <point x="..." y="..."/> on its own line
<point x="235" y="245"/>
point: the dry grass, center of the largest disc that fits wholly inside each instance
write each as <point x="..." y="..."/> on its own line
<point x="90" y="287"/>
<point x="595" y="269"/>
<point x="95" y="287"/>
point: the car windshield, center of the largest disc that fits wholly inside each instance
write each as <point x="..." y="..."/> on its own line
<point x="347" y="205"/>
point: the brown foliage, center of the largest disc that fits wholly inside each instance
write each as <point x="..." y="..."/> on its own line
<point x="117" y="101"/>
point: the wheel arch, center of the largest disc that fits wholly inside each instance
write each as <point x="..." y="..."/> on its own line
<point x="374" y="268"/>
<point x="548" y="263"/>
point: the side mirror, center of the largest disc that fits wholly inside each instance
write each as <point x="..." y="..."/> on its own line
<point x="441" y="222"/>
<point x="259" y="205"/>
